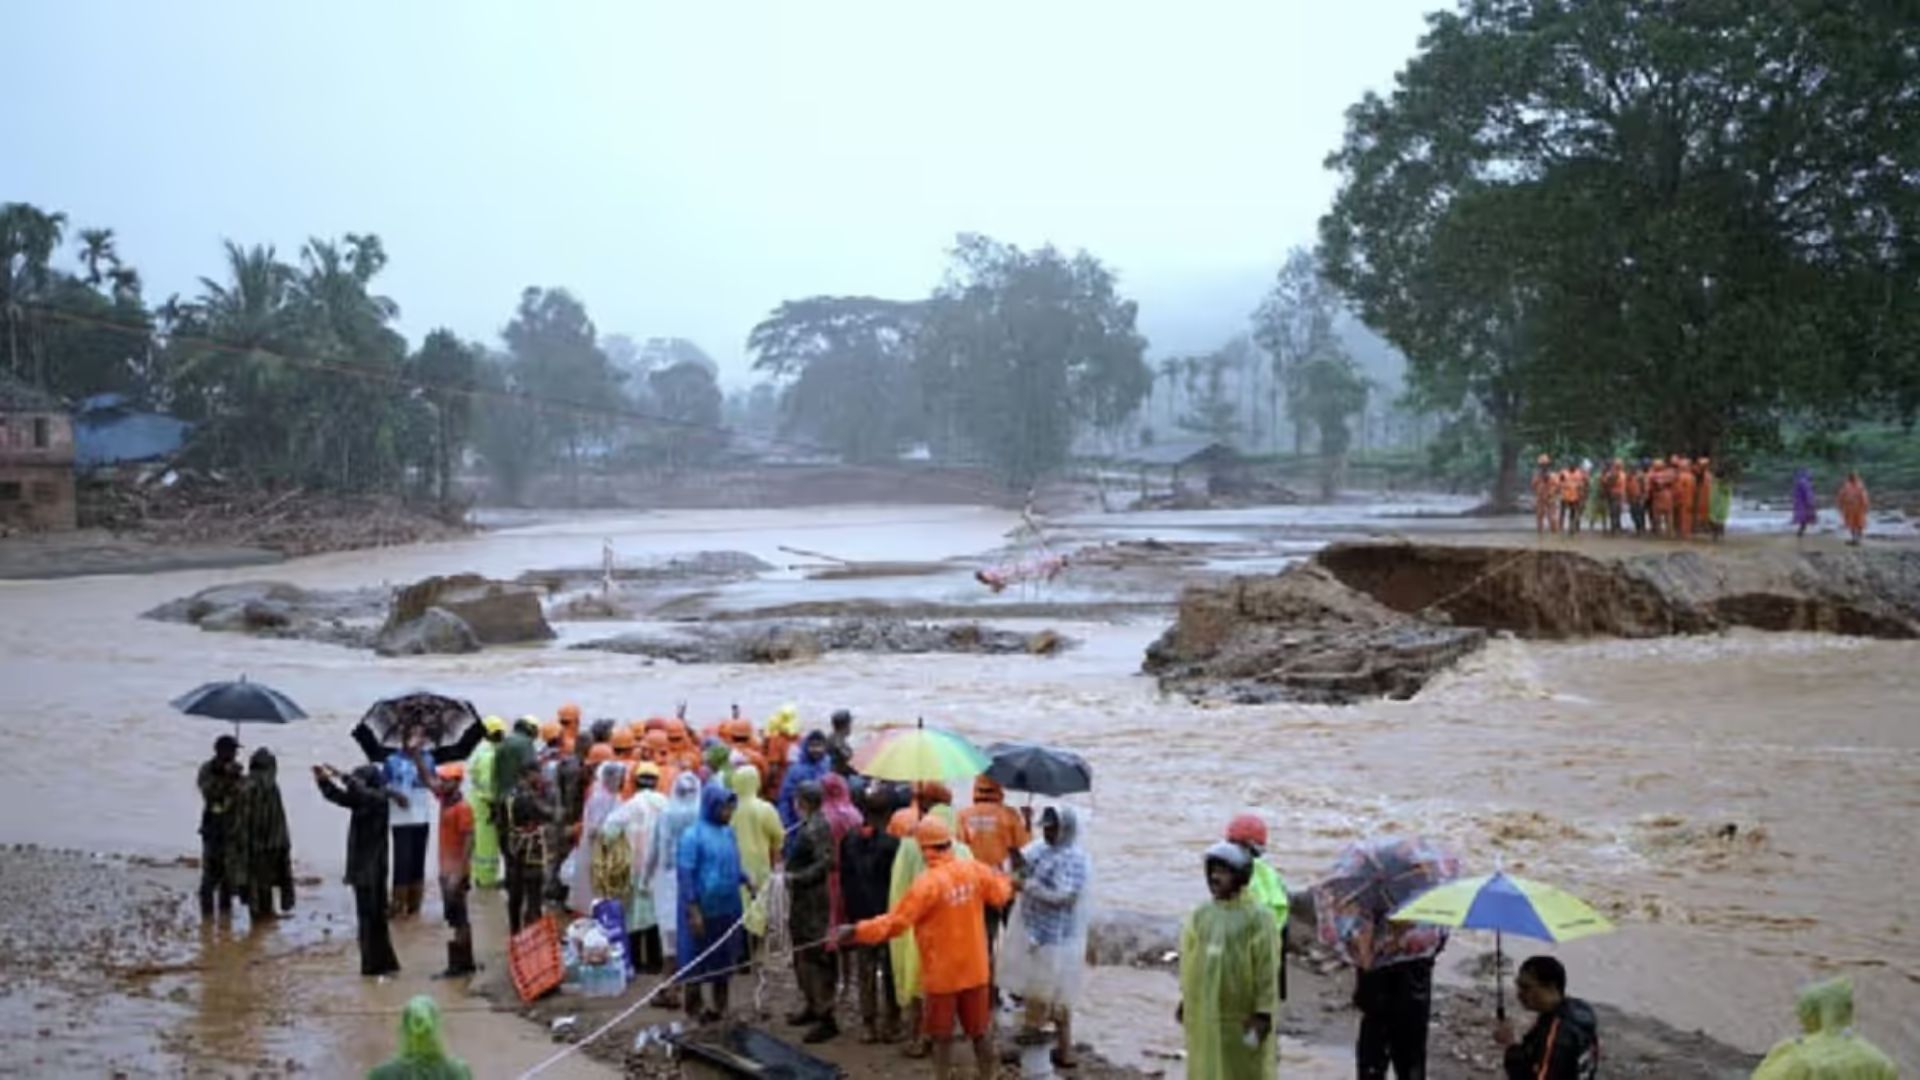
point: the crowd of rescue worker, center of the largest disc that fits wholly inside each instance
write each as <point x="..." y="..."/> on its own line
<point x="931" y="917"/>
<point x="1674" y="498"/>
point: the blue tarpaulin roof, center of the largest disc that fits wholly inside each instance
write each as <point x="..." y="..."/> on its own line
<point x="107" y="433"/>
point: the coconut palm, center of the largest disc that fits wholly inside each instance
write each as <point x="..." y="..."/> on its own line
<point x="96" y="248"/>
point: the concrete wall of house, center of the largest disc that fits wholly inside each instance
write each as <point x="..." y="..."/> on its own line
<point x="36" y="471"/>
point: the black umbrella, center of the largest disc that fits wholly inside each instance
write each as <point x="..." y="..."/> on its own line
<point x="1042" y="770"/>
<point x="242" y="702"/>
<point x="446" y="720"/>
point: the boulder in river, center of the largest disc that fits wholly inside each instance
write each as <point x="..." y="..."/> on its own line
<point x="497" y="612"/>
<point x="1301" y="635"/>
<point x="279" y="610"/>
<point x="435" y="631"/>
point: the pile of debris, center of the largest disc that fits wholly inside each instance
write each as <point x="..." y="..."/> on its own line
<point x="188" y="506"/>
<point x="1301" y="636"/>
<point x="778" y="642"/>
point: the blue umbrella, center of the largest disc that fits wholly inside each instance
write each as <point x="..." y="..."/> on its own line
<point x="1505" y="905"/>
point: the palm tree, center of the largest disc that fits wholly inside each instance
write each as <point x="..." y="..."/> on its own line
<point x="96" y="247"/>
<point x="28" y="237"/>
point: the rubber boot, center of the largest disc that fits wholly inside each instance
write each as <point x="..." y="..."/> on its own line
<point x="459" y="960"/>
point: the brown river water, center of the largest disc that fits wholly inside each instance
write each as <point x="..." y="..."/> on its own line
<point x="1611" y="768"/>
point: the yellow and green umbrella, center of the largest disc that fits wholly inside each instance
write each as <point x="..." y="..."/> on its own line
<point x="920" y="753"/>
<point x="1505" y="905"/>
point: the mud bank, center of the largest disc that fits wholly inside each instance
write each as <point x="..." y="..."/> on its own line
<point x="1302" y="636"/>
<point x="769" y="643"/>
<point x="1380" y="618"/>
<point x="1538" y="592"/>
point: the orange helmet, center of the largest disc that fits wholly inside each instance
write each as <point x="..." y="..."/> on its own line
<point x="1247" y="829"/>
<point x="623" y="738"/>
<point x="549" y="731"/>
<point x="932" y="833"/>
<point x="570" y="714"/>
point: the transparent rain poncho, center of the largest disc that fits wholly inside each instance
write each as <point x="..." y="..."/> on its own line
<point x="1043" y="954"/>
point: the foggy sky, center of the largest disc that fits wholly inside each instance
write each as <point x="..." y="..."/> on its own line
<point x="684" y="167"/>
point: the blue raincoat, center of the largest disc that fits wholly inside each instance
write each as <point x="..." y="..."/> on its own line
<point x="710" y="877"/>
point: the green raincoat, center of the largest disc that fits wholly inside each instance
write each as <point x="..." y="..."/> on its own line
<point x="1229" y="970"/>
<point x="1269" y="890"/>
<point x="422" y="1056"/>
<point x="1829" y="1050"/>
<point x="908" y="864"/>
<point x="486" y="835"/>
<point x="1720" y="503"/>
<point x="756" y="826"/>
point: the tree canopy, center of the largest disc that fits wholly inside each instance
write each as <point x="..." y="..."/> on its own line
<point x="1019" y="349"/>
<point x="1671" y="224"/>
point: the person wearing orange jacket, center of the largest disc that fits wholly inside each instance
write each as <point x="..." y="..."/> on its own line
<point x="1573" y="498"/>
<point x="926" y="795"/>
<point x="569" y="718"/>
<point x="654" y="748"/>
<point x="1614" y="485"/>
<point x="1546" y="496"/>
<point x="994" y="831"/>
<point x="1660" y="498"/>
<point x="683" y="752"/>
<point x="1685" y="488"/>
<point x="1854" y="504"/>
<point x="946" y="910"/>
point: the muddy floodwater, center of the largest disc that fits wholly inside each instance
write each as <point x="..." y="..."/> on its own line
<point x="1743" y="805"/>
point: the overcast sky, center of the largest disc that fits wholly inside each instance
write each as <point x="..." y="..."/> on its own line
<point x="685" y="166"/>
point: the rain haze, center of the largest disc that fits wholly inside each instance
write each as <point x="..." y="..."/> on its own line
<point x="683" y="168"/>
<point x="1430" y="485"/>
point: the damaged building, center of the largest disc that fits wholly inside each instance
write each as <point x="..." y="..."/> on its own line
<point x="36" y="460"/>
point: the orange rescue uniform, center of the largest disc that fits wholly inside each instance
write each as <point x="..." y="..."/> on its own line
<point x="945" y="909"/>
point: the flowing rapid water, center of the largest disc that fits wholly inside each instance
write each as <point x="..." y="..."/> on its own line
<point x="1742" y="804"/>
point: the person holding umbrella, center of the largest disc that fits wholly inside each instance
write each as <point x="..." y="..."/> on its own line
<point x="1359" y="910"/>
<point x="1564" y="1042"/>
<point x="364" y="794"/>
<point x="220" y="780"/>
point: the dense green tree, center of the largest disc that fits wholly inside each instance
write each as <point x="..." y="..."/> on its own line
<point x="1019" y="349"/>
<point x="686" y="399"/>
<point x="557" y="359"/>
<point x="446" y="371"/>
<point x="1298" y="326"/>
<point x="509" y="429"/>
<point x="1679" y="224"/>
<point x="848" y="369"/>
